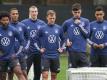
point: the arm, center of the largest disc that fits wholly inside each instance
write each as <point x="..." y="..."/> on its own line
<point x="21" y="41"/>
<point x="64" y="26"/>
<point x="37" y="41"/>
<point x="27" y="37"/>
<point x="90" y="42"/>
<point x="67" y="35"/>
<point x="61" y="41"/>
<point x="84" y="27"/>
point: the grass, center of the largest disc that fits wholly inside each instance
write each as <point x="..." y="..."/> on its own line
<point x="63" y="65"/>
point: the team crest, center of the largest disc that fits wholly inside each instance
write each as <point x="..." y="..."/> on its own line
<point x="20" y="29"/>
<point x="56" y="31"/>
<point x="38" y="26"/>
<point x="0" y="34"/>
<point x="10" y="33"/>
<point x="94" y="28"/>
<point x="46" y="32"/>
<point x="71" y="25"/>
<point x="104" y="28"/>
<point x="28" y="27"/>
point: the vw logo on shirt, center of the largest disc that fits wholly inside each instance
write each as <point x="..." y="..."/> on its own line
<point x="33" y="33"/>
<point x="76" y="31"/>
<point x="51" y="38"/>
<point x="5" y="41"/>
<point x="99" y="34"/>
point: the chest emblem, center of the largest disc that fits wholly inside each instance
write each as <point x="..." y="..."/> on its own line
<point x="5" y="41"/>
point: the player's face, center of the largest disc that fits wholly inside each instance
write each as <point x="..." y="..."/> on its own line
<point x="76" y="14"/>
<point x="51" y="19"/>
<point x="4" y="21"/>
<point x="33" y="13"/>
<point x="99" y="15"/>
<point x="14" y="15"/>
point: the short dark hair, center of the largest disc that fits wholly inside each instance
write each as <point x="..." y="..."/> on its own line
<point x="76" y="6"/>
<point x="99" y="8"/>
<point x="13" y="9"/>
<point x="4" y="14"/>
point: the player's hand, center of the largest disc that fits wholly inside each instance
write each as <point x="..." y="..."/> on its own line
<point x="42" y="50"/>
<point x="13" y="56"/>
<point x="77" y="21"/>
<point x="101" y="46"/>
<point x="60" y="50"/>
<point x="69" y="43"/>
<point x="25" y="50"/>
<point x="95" y="45"/>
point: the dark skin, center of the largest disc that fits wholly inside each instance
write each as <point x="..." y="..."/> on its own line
<point x="17" y="69"/>
<point x="99" y="17"/>
<point x="4" y="21"/>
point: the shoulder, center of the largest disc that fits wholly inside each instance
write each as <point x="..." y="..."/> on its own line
<point x="85" y="19"/>
<point x="105" y="21"/>
<point x="57" y="26"/>
<point x="21" y="24"/>
<point x="25" y="20"/>
<point x="67" y="21"/>
<point x="12" y="29"/>
<point x="93" y="22"/>
<point x="41" y="22"/>
<point x="0" y="27"/>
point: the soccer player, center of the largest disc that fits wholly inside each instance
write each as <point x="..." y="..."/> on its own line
<point x="33" y="25"/>
<point x="77" y="31"/>
<point x="7" y="53"/>
<point x="14" y="15"/>
<point x="52" y="37"/>
<point x="98" y="39"/>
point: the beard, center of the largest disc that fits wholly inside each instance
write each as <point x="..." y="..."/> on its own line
<point x="4" y="26"/>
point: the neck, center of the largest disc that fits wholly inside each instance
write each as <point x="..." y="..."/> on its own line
<point x="5" y="27"/>
<point x="100" y="21"/>
<point x="14" y="21"/>
<point x="50" y="24"/>
<point x="33" y="19"/>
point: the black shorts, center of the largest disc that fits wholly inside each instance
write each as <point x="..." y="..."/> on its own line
<point x="23" y="64"/>
<point x="51" y="64"/>
<point x="98" y="60"/>
<point x="13" y="63"/>
<point x="77" y="59"/>
<point x="4" y="66"/>
<point x="3" y="75"/>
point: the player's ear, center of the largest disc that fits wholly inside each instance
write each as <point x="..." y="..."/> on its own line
<point x="81" y="10"/>
<point x="95" y="14"/>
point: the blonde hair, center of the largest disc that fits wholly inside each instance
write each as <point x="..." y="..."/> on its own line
<point x="32" y="7"/>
